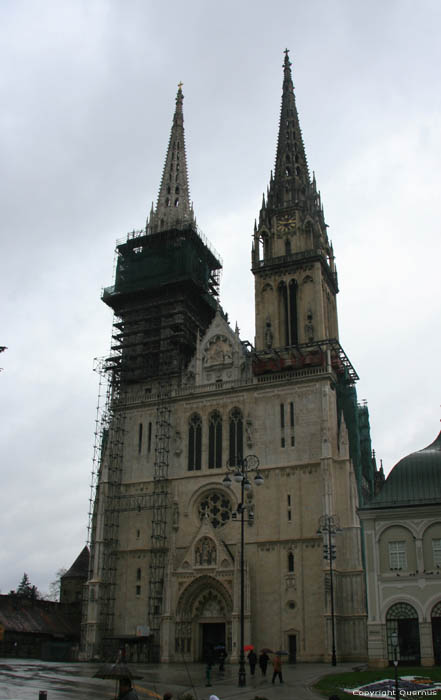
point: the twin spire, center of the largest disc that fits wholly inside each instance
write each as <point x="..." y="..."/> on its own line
<point x="173" y="208"/>
<point x="290" y="187"/>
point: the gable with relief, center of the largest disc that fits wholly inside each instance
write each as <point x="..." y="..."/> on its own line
<point x="218" y="352"/>
<point x="206" y="550"/>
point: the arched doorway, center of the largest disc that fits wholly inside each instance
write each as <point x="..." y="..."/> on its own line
<point x="203" y="618"/>
<point x="402" y="620"/>
<point x="436" y="633"/>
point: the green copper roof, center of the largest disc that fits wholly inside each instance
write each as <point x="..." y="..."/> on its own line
<point x="414" y="480"/>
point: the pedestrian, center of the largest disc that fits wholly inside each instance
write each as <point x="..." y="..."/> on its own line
<point x="277" y="665"/>
<point x="209" y="659"/>
<point x="222" y="655"/>
<point x="213" y="697"/>
<point x="252" y="660"/>
<point x="126" y="691"/>
<point x="263" y="662"/>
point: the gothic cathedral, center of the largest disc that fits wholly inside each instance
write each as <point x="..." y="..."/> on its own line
<point x="189" y="407"/>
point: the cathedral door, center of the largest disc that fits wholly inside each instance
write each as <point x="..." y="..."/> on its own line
<point x="212" y="635"/>
<point x="292" y="648"/>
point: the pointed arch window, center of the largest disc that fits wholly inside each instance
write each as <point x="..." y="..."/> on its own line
<point x="194" y="442"/>
<point x="236" y="436"/>
<point x="215" y="440"/>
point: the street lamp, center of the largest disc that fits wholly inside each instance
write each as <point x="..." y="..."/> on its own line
<point x="240" y="467"/>
<point x="394" y="640"/>
<point x="329" y="524"/>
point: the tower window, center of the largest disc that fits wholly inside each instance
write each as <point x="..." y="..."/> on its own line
<point x="282" y="442"/>
<point x="177" y="202"/>
<point x="288" y="172"/>
<point x="138" y="590"/>
<point x="236" y="436"/>
<point x="282" y="415"/>
<point x="140" y="439"/>
<point x="215" y="441"/>
<point x="195" y="442"/>
<point x="291" y="562"/>
<point x="138" y="574"/>
<point x="149" y="438"/>
<point x="291" y="414"/>
<point x="287" y="246"/>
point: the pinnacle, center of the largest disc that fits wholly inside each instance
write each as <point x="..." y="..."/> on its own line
<point x="173" y="207"/>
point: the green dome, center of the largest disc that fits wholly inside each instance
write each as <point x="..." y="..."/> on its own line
<point x="414" y="480"/>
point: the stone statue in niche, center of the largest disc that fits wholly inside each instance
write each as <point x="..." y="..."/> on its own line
<point x="268" y="334"/>
<point x="178" y="443"/>
<point x="205" y="552"/>
<point x="249" y="431"/>
<point x="309" y="328"/>
<point x="175" y="516"/>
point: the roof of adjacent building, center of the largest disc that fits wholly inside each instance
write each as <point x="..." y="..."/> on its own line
<point x="42" y="617"/>
<point x="414" y="480"/>
<point x="80" y="567"/>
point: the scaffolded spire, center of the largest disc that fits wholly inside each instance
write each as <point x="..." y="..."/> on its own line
<point x="173" y="208"/>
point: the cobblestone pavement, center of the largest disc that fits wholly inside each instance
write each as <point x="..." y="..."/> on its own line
<point x="23" y="679"/>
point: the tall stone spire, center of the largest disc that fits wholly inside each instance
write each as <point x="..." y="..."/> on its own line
<point x="290" y="237"/>
<point x="173" y="208"/>
<point x="291" y="187"/>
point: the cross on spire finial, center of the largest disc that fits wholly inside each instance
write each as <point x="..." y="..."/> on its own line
<point x="180" y="84"/>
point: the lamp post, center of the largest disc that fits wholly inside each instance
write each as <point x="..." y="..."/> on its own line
<point x="240" y="467"/>
<point x="329" y="525"/>
<point x="394" y="640"/>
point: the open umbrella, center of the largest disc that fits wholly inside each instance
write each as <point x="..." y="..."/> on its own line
<point x="115" y="672"/>
<point x="248" y="647"/>
<point x="266" y="651"/>
<point x="281" y="653"/>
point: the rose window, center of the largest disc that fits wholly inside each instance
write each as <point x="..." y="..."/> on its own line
<point x="217" y="507"/>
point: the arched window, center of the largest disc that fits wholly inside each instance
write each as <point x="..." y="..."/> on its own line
<point x="402" y="625"/>
<point x="287" y="246"/>
<point x="236" y="437"/>
<point x="194" y="442"/>
<point x="215" y="440"/>
<point x="291" y="562"/>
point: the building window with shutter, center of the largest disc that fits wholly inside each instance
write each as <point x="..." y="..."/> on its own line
<point x="397" y="555"/>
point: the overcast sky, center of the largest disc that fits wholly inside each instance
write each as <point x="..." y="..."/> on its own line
<point x="87" y="93"/>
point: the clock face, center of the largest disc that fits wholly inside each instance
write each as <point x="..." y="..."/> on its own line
<point x="286" y="223"/>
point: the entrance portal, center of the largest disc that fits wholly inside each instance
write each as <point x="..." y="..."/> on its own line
<point x="212" y="635"/>
<point x="292" y="642"/>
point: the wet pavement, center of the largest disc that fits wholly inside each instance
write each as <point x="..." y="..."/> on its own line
<point x="23" y="679"/>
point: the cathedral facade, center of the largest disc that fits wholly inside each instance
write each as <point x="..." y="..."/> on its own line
<point x="187" y="402"/>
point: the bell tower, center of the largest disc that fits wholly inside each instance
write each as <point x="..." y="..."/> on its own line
<point x="292" y="258"/>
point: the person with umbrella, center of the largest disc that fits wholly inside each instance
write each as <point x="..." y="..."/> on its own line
<point x="221" y="656"/>
<point x="263" y="661"/>
<point x="126" y="692"/>
<point x="252" y="660"/>
<point x="277" y="666"/>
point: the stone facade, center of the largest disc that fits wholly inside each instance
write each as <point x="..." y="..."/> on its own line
<point x="278" y="401"/>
